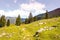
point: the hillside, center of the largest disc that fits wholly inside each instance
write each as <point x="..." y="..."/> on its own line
<point x="49" y="29"/>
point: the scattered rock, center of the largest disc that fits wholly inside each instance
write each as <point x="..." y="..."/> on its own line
<point x="51" y="28"/>
<point x="47" y="29"/>
<point x="0" y="35"/>
<point x="42" y="23"/>
<point x="3" y="33"/>
<point x="54" y="26"/>
<point x="24" y="37"/>
<point x="36" y="34"/>
<point x="9" y="35"/>
<point x="24" y="29"/>
<point x="40" y="30"/>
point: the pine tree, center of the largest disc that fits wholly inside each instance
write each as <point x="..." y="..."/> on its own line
<point x="30" y="19"/>
<point x="8" y="22"/>
<point x="46" y="15"/>
<point x="35" y="18"/>
<point x="18" y="20"/>
<point x="26" y="21"/>
<point x="2" y="21"/>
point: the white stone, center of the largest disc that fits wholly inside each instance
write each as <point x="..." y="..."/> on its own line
<point x="24" y="29"/>
<point x="40" y="30"/>
<point x="10" y="35"/>
<point x="24" y="37"/>
<point x="40" y="23"/>
<point x="0" y="35"/>
<point x="44" y="23"/>
<point x="47" y="29"/>
<point x="51" y="28"/>
<point x="3" y="33"/>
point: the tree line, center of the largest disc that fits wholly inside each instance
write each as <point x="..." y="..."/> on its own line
<point x="30" y="19"/>
<point x="3" y="21"/>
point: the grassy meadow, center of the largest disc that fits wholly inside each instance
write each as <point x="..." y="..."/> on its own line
<point x="49" y="29"/>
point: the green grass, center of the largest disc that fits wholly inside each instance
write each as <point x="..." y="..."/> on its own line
<point x="26" y="31"/>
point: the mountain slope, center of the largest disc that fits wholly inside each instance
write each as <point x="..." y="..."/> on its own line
<point x="54" y="13"/>
<point x="49" y="29"/>
<point x="51" y="14"/>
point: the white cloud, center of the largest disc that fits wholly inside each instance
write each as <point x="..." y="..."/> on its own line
<point x="14" y="13"/>
<point x="32" y="6"/>
<point x="35" y="7"/>
<point x="24" y="10"/>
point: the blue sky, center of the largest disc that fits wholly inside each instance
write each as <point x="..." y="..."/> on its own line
<point x="24" y="7"/>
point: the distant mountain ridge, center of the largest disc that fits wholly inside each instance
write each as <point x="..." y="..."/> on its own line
<point x="53" y="13"/>
<point x="13" y="19"/>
